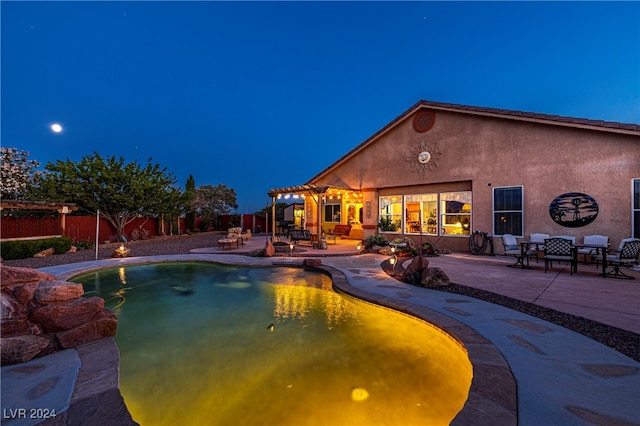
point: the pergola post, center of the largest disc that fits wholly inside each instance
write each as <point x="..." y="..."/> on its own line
<point x="273" y="219"/>
<point x="319" y="218"/>
<point x="63" y="218"/>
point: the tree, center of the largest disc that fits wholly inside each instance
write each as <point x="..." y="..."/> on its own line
<point x="121" y="191"/>
<point x="190" y="187"/>
<point x="280" y="208"/>
<point x="212" y="201"/>
<point x="173" y="203"/>
<point x="17" y="173"/>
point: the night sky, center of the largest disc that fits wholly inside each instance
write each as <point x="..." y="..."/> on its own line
<point x="260" y="95"/>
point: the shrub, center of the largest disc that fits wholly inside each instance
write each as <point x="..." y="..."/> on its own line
<point x="375" y="240"/>
<point x="84" y="244"/>
<point x="27" y="248"/>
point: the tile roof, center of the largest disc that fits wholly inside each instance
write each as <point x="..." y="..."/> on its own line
<point x="526" y="115"/>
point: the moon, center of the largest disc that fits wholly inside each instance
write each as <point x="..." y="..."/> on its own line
<point x="56" y="128"/>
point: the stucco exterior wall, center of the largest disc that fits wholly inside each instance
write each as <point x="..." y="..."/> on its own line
<point x="479" y="153"/>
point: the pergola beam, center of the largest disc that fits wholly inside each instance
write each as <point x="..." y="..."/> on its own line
<point x="38" y="205"/>
<point x="61" y="208"/>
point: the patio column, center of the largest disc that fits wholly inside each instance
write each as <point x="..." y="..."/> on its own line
<point x="319" y="218"/>
<point x="273" y="219"/>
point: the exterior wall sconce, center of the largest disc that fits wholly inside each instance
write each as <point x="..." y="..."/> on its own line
<point x="291" y="248"/>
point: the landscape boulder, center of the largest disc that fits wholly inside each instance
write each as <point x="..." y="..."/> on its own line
<point x="418" y="264"/>
<point x="41" y="315"/>
<point x="19" y="349"/>
<point x="11" y="275"/>
<point x="57" y="291"/>
<point x="311" y="263"/>
<point x="434" y="277"/>
<point x="45" y="253"/>
<point x="269" y="250"/>
<point x="67" y="315"/>
<point x="102" y="325"/>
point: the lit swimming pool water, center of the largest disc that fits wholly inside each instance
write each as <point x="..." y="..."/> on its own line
<point x="208" y="344"/>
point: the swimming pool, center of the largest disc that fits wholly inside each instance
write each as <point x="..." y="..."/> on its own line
<point x="204" y="343"/>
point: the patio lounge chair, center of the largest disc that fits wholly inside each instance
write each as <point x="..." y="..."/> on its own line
<point x="560" y="249"/>
<point x="233" y="238"/>
<point x="628" y="253"/>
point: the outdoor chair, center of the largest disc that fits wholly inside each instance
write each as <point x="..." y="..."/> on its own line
<point x="560" y="249"/>
<point x="233" y="238"/>
<point x="566" y="237"/>
<point x="597" y="240"/>
<point x="598" y="257"/>
<point x="539" y="240"/>
<point x="511" y="248"/>
<point x="627" y="255"/>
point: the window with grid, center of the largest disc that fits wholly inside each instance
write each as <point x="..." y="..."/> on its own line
<point x="508" y="213"/>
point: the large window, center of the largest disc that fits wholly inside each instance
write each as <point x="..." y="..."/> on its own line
<point x="421" y="211"/>
<point x="455" y="212"/>
<point x="635" y="216"/>
<point x="332" y="213"/>
<point x="390" y="214"/>
<point x="508" y="211"/>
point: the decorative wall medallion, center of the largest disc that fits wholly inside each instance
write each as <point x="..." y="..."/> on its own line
<point x="424" y="157"/>
<point x="573" y="209"/>
<point x="424" y="120"/>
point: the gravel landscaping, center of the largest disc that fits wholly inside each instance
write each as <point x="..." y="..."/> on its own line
<point x="625" y="342"/>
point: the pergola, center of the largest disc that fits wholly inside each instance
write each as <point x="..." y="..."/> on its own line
<point x="316" y="192"/>
<point x="62" y="208"/>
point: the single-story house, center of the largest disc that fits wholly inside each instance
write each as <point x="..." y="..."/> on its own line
<point x="440" y="171"/>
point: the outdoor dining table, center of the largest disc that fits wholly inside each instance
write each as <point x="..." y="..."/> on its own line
<point x="599" y="248"/>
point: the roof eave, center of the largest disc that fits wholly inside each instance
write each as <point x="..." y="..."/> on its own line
<point x="556" y="120"/>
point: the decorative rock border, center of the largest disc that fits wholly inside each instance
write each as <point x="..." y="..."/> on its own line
<point x="41" y="315"/>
